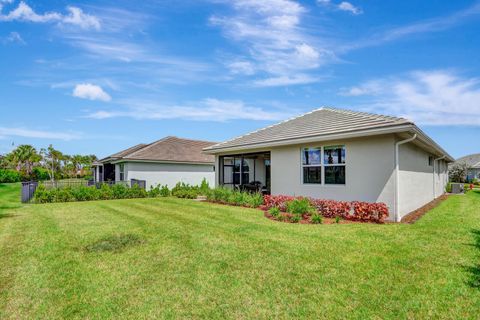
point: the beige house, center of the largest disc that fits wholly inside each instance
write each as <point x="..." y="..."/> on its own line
<point x="163" y="162"/>
<point x="338" y="154"/>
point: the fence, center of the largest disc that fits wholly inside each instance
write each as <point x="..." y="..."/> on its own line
<point x="28" y="188"/>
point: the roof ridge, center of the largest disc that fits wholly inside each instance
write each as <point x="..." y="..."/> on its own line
<point x="147" y="146"/>
<point x="267" y="127"/>
<point x="163" y="140"/>
<point x="366" y="114"/>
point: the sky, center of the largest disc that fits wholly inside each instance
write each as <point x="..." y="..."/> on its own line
<point x="95" y="77"/>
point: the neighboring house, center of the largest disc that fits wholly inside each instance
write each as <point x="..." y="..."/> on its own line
<point x="341" y="155"/>
<point x="166" y="161"/>
<point x="473" y="162"/>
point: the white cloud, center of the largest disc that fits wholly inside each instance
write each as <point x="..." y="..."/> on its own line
<point x="75" y="17"/>
<point x="83" y="20"/>
<point x="91" y="92"/>
<point x="285" y="80"/>
<point x="13" y="37"/>
<point x="273" y="42"/>
<point x="436" y="24"/>
<point x="40" y="134"/>
<point x="241" y="67"/>
<point x="347" y="6"/>
<point x="205" y="110"/>
<point x="372" y="87"/>
<point x="436" y="97"/>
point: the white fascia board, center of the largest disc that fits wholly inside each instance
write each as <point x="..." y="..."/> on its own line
<point x="327" y="137"/>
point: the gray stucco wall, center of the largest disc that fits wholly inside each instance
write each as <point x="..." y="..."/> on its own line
<point x="168" y="173"/>
<point x="369" y="171"/>
<point x="417" y="179"/>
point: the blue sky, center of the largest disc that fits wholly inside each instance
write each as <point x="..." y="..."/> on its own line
<point x="99" y="76"/>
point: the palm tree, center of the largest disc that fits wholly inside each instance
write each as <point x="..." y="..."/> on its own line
<point x="24" y="156"/>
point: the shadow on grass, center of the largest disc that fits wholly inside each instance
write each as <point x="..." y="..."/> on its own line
<point x="474" y="271"/>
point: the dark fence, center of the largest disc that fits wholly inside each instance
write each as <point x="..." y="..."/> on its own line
<point x="28" y="188"/>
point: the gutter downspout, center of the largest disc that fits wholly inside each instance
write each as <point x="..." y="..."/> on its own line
<point x="434" y="187"/>
<point x="397" y="175"/>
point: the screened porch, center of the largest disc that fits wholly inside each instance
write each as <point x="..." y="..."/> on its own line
<point x="246" y="172"/>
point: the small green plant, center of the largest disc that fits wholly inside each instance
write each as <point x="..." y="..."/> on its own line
<point x="300" y="206"/>
<point x="295" y="218"/>
<point x="164" y="191"/>
<point x="448" y="188"/>
<point x="337" y="219"/>
<point x="274" y="212"/>
<point x="317" y="218"/>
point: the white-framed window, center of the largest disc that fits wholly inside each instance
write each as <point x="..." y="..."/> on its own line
<point x="121" y="168"/>
<point x="324" y="165"/>
<point x="312" y="165"/>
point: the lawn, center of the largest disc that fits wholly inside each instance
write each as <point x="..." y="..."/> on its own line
<point x="184" y="259"/>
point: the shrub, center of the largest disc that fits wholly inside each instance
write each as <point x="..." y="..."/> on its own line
<point x="40" y="174"/>
<point x="42" y="195"/>
<point x="277" y="201"/>
<point x="183" y="190"/>
<point x="9" y="176"/>
<point x="295" y="218"/>
<point x="119" y="191"/>
<point x="337" y="219"/>
<point x="274" y="212"/>
<point x="106" y="192"/>
<point x="164" y="191"/>
<point x="204" y="187"/>
<point x="331" y="208"/>
<point x="300" y="206"/>
<point x="448" y="187"/>
<point x="317" y="218"/>
<point x="254" y="200"/>
<point x="365" y="211"/>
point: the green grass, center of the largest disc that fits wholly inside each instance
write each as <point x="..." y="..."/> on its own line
<point x="174" y="258"/>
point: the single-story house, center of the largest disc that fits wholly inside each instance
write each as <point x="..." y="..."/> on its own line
<point x="341" y="155"/>
<point x="164" y="162"/>
<point x="473" y="162"/>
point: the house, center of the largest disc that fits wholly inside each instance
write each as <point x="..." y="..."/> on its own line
<point x="166" y="161"/>
<point x="338" y="154"/>
<point x="473" y="162"/>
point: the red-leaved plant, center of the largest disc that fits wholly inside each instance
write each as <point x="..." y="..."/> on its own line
<point x="355" y="211"/>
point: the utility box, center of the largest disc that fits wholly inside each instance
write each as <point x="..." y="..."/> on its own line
<point x="458" y="188"/>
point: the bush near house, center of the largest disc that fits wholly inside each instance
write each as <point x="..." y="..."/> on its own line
<point x="353" y="211"/>
<point x="235" y="197"/>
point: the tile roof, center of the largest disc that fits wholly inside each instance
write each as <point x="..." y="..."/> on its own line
<point x="472" y="160"/>
<point x="169" y="149"/>
<point x="323" y="121"/>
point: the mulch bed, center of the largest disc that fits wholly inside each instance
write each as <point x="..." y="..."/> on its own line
<point x="306" y="220"/>
<point x="413" y="216"/>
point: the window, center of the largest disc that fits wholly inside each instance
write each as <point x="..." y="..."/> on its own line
<point x="430" y="161"/>
<point x="334" y="161"/>
<point x="312" y="165"/>
<point x="121" y="168"/>
<point x="332" y="164"/>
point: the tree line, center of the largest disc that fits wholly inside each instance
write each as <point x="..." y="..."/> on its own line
<point x="27" y="163"/>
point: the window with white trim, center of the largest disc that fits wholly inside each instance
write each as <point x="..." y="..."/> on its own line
<point x="324" y="165"/>
<point x="334" y="161"/>
<point x="121" y="168"/>
<point x="312" y="165"/>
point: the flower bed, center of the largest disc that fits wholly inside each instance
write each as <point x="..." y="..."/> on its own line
<point x="278" y="208"/>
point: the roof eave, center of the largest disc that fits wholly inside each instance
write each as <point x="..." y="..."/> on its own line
<point x="326" y="137"/>
<point x="162" y="161"/>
